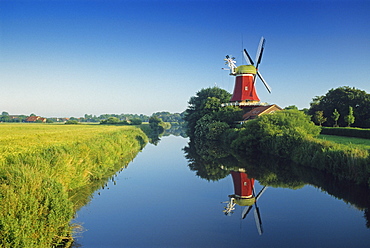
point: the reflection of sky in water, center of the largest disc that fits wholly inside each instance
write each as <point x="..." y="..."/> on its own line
<point x="158" y="202"/>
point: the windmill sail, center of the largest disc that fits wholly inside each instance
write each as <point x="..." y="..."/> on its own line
<point x="247" y="57"/>
<point x="264" y="82"/>
<point x="257" y="218"/>
<point x="260" y="49"/>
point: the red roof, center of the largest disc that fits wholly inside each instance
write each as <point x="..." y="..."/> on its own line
<point x="35" y="118"/>
<point x="255" y="112"/>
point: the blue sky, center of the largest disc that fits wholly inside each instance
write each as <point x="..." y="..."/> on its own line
<point x="70" y="58"/>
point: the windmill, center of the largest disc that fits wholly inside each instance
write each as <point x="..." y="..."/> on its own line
<point x="245" y="195"/>
<point x="246" y="75"/>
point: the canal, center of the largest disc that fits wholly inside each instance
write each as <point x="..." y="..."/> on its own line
<point x="167" y="197"/>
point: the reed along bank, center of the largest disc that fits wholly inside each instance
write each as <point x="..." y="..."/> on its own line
<point x="42" y="168"/>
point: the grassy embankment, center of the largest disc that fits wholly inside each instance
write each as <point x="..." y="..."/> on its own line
<point x="40" y="165"/>
<point x="290" y="134"/>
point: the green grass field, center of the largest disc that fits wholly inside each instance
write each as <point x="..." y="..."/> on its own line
<point x="41" y="165"/>
<point x="350" y="141"/>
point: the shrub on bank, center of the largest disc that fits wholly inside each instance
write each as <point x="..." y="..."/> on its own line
<point x="348" y="132"/>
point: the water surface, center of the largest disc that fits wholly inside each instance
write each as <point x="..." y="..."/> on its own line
<point x="159" y="202"/>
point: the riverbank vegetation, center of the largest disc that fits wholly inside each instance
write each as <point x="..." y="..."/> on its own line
<point x="287" y="134"/>
<point x="43" y="166"/>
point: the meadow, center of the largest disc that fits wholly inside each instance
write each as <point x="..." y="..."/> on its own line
<point x="42" y="168"/>
<point x="350" y="141"/>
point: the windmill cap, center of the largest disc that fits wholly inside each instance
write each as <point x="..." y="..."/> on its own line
<point x="245" y="201"/>
<point x="246" y="69"/>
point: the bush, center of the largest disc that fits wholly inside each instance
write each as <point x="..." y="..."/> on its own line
<point x="276" y="133"/>
<point x="136" y="121"/>
<point x="348" y="132"/>
<point x="71" y="122"/>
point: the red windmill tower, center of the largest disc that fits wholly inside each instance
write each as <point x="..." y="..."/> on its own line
<point x="244" y="88"/>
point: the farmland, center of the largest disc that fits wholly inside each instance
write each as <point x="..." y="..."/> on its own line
<point x="41" y="164"/>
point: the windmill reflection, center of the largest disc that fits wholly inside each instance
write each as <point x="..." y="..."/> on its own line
<point x="244" y="195"/>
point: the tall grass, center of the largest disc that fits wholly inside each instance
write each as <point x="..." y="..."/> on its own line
<point x="40" y="165"/>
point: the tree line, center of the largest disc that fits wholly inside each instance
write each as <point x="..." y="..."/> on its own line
<point x="343" y="106"/>
<point x="173" y="118"/>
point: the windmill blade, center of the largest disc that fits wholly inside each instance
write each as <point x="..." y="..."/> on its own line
<point x="257" y="215"/>
<point x="246" y="210"/>
<point x="247" y="57"/>
<point x="257" y="218"/>
<point x="264" y="82"/>
<point x="261" y="192"/>
<point x="260" y="49"/>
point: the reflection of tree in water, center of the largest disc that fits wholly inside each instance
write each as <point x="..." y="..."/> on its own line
<point x="155" y="134"/>
<point x="213" y="162"/>
<point x="208" y="160"/>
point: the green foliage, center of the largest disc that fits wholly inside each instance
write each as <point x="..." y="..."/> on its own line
<point x="205" y="102"/>
<point x="277" y="133"/>
<point x="155" y="124"/>
<point x="335" y="117"/>
<point x="136" y="121"/>
<point x="110" y="120"/>
<point x="73" y="122"/>
<point x="291" y="107"/>
<point x="289" y="134"/>
<point x="319" y="117"/>
<point x="348" y="132"/>
<point x="216" y="130"/>
<point x="340" y="98"/>
<point x="349" y="119"/>
<point x="168" y="117"/>
<point x="207" y="119"/>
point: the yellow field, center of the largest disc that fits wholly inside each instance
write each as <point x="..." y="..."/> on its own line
<point x="42" y="164"/>
<point x="21" y="137"/>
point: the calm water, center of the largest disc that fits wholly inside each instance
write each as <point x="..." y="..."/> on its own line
<point x="159" y="202"/>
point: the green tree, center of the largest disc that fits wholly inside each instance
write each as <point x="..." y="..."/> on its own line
<point x="319" y="117"/>
<point x="291" y="107"/>
<point x="71" y="122"/>
<point x="136" y="121"/>
<point x="340" y="98"/>
<point x="155" y="124"/>
<point x="206" y="101"/>
<point x="350" y="119"/>
<point x="111" y="120"/>
<point x="335" y="117"/>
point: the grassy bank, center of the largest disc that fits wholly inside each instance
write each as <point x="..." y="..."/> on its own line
<point x="290" y="135"/>
<point x="349" y="141"/>
<point x="40" y="165"/>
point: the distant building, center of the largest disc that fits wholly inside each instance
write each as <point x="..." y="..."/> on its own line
<point x="35" y="118"/>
